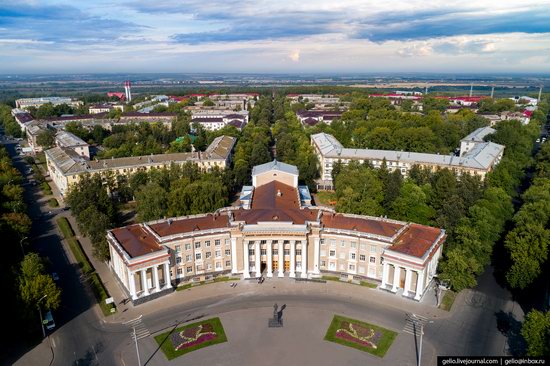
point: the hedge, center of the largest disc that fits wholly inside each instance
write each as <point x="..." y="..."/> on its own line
<point x="65" y="227"/>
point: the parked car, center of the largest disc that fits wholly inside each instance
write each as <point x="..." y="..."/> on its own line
<point x="55" y="276"/>
<point x="48" y="321"/>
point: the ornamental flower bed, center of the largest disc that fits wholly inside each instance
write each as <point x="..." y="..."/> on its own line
<point x="364" y="336"/>
<point x="191" y="337"/>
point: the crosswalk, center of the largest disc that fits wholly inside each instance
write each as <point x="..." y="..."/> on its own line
<point x="410" y="327"/>
<point x="138" y="329"/>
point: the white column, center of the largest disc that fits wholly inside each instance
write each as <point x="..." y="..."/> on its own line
<point x="269" y="259"/>
<point x="234" y="256"/>
<point x="132" y="284"/>
<point x="316" y="251"/>
<point x="304" y="258"/>
<point x="144" y="286"/>
<point x="292" y="259"/>
<point x="281" y="259"/>
<point x="167" y="279"/>
<point x="396" y="275"/>
<point x="419" y="285"/>
<point x="257" y="257"/>
<point x="246" y="259"/>
<point x="408" y="280"/>
<point x="156" y="277"/>
<point x="385" y="274"/>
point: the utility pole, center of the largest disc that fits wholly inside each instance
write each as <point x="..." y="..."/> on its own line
<point x="136" y="335"/>
<point x="540" y="93"/>
<point x="21" y="244"/>
<point x="418" y="322"/>
<point x="471" y="89"/>
<point x="492" y="92"/>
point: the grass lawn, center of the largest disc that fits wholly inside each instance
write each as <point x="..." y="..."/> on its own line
<point x="368" y="284"/>
<point x="368" y="338"/>
<point x="166" y="340"/>
<point x="448" y="300"/>
<point x="53" y="202"/>
<point x="361" y="283"/>
<point x="326" y="198"/>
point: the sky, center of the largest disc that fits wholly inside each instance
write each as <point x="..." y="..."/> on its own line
<point x="274" y="36"/>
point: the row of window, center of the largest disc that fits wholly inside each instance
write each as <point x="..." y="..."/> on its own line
<point x="353" y="245"/>
<point x="352" y="256"/>
<point x="198" y="244"/>
<point x="200" y="267"/>
<point x="198" y="256"/>
<point x="252" y="242"/>
<point x="350" y="267"/>
<point x="275" y="251"/>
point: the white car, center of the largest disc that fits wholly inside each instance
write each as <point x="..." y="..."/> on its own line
<point x="48" y="321"/>
<point x="538" y="140"/>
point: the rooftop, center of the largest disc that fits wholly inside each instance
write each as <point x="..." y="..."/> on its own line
<point x="479" y="134"/>
<point x="275" y="165"/>
<point x="67" y="139"/>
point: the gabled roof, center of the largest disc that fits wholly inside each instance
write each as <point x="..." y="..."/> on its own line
<point x="275" y="165"/>
<point x="479" y="134"/>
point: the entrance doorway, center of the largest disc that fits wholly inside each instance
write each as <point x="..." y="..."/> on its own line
<point x="402" y="273"/>
<point x="263" y="266"/>
<point x="287" y="266"/>
<point x="275" y="265"/>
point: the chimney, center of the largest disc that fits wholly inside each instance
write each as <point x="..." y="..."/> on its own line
<point x="279" y="193"/>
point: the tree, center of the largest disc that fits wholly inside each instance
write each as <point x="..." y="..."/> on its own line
<point x="46" y="138"/>
<point x="151" y="202"/>
<point x="34" y="283"/>
<point x="536" y="332"/>
<point x="207" y="102"/>
<point x="460" y="268"/>
<point x="411" y="205"/>
<point x="359" y="190"/>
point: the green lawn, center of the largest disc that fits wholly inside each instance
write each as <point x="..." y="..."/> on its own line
<point x="326" y="198"/>
<point x="217" y="279"/>
<point x="361" y="283"/>
<point x="53" y="202"/>
<point x="384" y="337"/>
<point x="448" y="300"/>
<point x="165" y="342"/>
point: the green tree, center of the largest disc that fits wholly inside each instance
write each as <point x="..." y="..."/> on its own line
<point x="46" y="138"/>
<point x="411" y="205"/>
<point x="34" y="283"/>
<point x="151" y="202"/>
<point x="459" y="267"/>
<point x="536" y="332"/>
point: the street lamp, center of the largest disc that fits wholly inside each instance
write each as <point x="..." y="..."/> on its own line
<point x="413" y="318"/>
<point x="40" y="312"/>
<point x="21" y="244"/>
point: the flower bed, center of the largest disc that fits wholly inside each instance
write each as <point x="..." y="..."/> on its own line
<point x="354" y="333"/>
<point x="191" y="337"/>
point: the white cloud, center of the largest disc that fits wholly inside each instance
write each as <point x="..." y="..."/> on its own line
<point x="294" y="55"/>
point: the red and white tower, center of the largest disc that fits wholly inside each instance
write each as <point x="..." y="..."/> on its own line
<point x="128" y="91"/>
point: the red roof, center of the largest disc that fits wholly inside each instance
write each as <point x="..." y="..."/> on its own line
<point x="119" y="95"/>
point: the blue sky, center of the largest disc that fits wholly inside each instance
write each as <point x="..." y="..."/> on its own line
<point x="274" y="36"/>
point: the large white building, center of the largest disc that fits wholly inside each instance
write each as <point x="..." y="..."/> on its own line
<point x="276" y="231"/>
<point x="37" y="102"/>
<point x="477" y="158"/>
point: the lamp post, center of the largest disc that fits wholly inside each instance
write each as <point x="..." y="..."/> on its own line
<point x="21" y="244"/>
<point x="413" y="318"/>
<point x="40" y="313"/>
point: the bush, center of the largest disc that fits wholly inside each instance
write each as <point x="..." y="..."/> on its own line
<point x="100" y="293"/>
<point x="53" y="202"/>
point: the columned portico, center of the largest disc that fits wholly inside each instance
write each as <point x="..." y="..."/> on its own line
<point x="408" y="280"/>
<point x="396" y="277"/>
<point x="132" y="283"/>
<point x="167" y="280"/>
<point x="234" y="256"/>
<point x="419" y="286"/>
<point x="281" y="259"/>
<point x="246" y="260"/>
<point x="385" y="274"/>
<point x="269" y="259"/>
<point x="144" y="285"/>
<point x="292" y="274"/>
<point x="156" y="281"/>
<point x="316" y="249"/>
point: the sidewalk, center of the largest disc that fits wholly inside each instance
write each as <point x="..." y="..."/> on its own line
<point x="38" y="355"/>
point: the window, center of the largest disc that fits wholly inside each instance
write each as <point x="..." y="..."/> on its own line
<point x="372" y="259"/>
<point x="208" y="255"/>
<point x="275" y="242"/>
<point x="352" y="267"/>
<point x="180" y="271"/>
<point x="250" y="251"/>
<point x="218" y="265"/>
<point x="198" y="256"/>
<point x="209" y="266"/>
<point x="287" y="251"/>
<point x="332" y="253"/>
<point x="217" y="242"/>
<point x="197" y="245"/>
<point x="263" y="251"/>
<point x="353" y="244"/>
<point x="199" y="267"/>
<point x="362" y="257"/>
<point x="178" y="248"/>
<point x="323" y="263"/>
<point x="298" y="264"/>
<point x="363" y="246"/>
<point x="218" y="253"/>
<point x="352" y="256"/>
<point x="332" y="265"/>
<point x="188" y="246"/>
<point x="332" y="242"/>
<point x="276" y="251"/>
<point x="227" y="263"/>
<point x="207" y="243"/>
<point x="178" y="260"/>
<point x="227" y="252"/>
<point x="286" y="242"/>
<point x="342" y="255"/>
<point x="188" y="258"/>
<point x="322" y="241"/>
<point x="373" y="248"/>
<point x="189" y="269"/>
<point x="342" y="244"/>
<point x="263" y="242"/>
<point x="227" y="241"/>
<point x="298" y="251"/>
